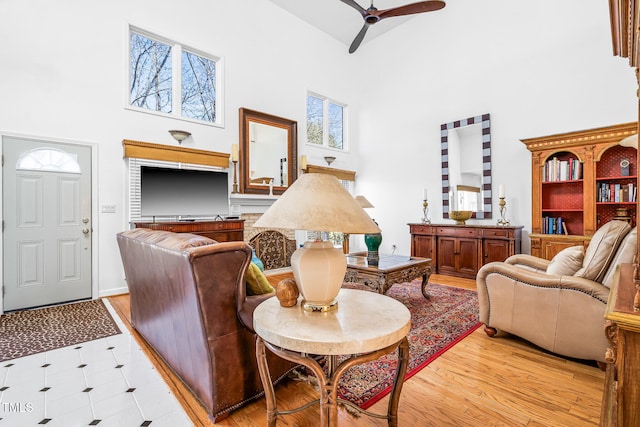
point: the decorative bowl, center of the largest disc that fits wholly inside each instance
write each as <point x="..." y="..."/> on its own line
<point x="460" y="216"/>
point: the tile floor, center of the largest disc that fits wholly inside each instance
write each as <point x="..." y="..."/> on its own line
<point x="106" y="382"/>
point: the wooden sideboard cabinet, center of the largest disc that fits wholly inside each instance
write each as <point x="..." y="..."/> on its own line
<point x="460" y="250"/>
<point x="622" y="379"/>
<point x="221" y="231"/>
<point x="548" y="245"/>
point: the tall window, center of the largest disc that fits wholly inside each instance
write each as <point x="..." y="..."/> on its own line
<point x="325" y="122"/>
<point x="167" y="77"/>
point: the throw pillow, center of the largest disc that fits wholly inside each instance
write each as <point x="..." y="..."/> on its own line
<point x="257" y="283"/>
<point x="567" y="261"/>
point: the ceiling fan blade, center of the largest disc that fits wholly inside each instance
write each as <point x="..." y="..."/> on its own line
<point x="356" y="42"/>
<point x="356" y="6"/>
<point x="410" y="9"/>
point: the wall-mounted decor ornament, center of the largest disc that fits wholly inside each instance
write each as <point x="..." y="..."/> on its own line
<point x="179" y="135"/>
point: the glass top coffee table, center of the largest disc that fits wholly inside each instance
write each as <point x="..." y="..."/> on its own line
<point x="391" y="269"/>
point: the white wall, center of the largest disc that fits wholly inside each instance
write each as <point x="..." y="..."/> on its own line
<point x="63" y="68"/>
<point x="536" y="69"/>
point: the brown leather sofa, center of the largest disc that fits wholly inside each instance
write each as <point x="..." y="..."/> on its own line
<point x="188" y="301"/>
<point x="558" y="309"/>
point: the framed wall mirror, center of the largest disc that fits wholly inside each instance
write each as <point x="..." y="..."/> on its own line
<point x="466" y="166"/>
<point x="268" y="152"/>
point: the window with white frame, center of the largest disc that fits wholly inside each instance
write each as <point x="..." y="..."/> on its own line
<point x="325" y="122"/>
<point x="169" y="78"/>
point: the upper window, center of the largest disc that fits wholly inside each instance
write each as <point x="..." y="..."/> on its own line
<point x="48" y="159"/>
<point x="325" y="122"/>
<point x="167" y="77"/>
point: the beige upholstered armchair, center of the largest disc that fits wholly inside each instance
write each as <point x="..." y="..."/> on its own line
<point x="558" y="305"/>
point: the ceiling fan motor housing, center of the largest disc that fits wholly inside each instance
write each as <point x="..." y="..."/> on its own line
<point x="371" y="19"/>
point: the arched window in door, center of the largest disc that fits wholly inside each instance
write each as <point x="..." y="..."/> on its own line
<point x="48" y="159"/>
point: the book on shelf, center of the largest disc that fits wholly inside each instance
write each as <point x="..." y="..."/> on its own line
<point x="617" y="193"/>
<point x="561" y="170"/>
<point x="554" y="225"/>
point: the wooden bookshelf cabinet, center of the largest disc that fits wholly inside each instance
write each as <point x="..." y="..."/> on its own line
<point x="221" y="231"/>
<point x="575" y="199"/>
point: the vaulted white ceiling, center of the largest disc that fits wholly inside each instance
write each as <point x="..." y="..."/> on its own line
<point x="342" y="21"/>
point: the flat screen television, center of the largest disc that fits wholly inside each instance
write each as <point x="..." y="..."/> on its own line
<point x="183" y="193"/>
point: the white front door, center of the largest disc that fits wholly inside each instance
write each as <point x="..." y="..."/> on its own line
<point x="46" y="200"/>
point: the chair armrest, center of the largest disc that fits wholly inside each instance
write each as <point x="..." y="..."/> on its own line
<point x="245" y="312"/>
<point x="530" y="261"/>
<point x="541" y="280"/>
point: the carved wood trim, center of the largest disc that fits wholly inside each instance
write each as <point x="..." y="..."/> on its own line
<point x="605" y="135"/>
<point x="624" y="22"/>
<point x="611" y="332"/>
<point x="169" y="153"/>
<point x="338" y="173"/>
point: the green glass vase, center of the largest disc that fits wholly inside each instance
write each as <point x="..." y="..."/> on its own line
<point x="373" y="242"/>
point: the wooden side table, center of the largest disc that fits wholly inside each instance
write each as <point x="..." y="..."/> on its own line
<point x="294" y="334"/>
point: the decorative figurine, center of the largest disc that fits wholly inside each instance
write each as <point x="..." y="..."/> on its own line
<point x="287" y="292"/>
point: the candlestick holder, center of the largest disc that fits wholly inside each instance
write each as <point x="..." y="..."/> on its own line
<point x="425" y="212"/>
<point x="503" y="210"/>
<point x="235" y="177"/>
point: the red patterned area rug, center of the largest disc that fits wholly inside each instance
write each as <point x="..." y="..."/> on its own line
<point x="436" y="325"/>
<point x="33" y="331"/>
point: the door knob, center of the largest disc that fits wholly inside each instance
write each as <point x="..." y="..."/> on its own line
<point x="85" y="220"/>
<point x="85" y="231"/>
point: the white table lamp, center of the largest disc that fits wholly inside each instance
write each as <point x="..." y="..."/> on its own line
<point x="318" y="202"/>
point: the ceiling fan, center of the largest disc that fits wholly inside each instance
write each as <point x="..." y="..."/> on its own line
<point x="373" y="15"/>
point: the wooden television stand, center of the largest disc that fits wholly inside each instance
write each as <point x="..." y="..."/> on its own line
<point x="227" y="230"/>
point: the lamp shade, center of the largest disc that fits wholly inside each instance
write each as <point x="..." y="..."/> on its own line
<point x="364" y="202"/>
<point x="317" y="202"/>
<point x="630" y="141"/>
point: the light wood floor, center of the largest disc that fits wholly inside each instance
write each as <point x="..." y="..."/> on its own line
<point x="481" y="381"/>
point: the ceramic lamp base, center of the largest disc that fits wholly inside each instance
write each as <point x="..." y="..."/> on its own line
<point x="319" y="270"/>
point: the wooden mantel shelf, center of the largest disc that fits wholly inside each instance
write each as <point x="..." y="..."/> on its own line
<point x="169" y="153"/>
<point x="338" y="173"/>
